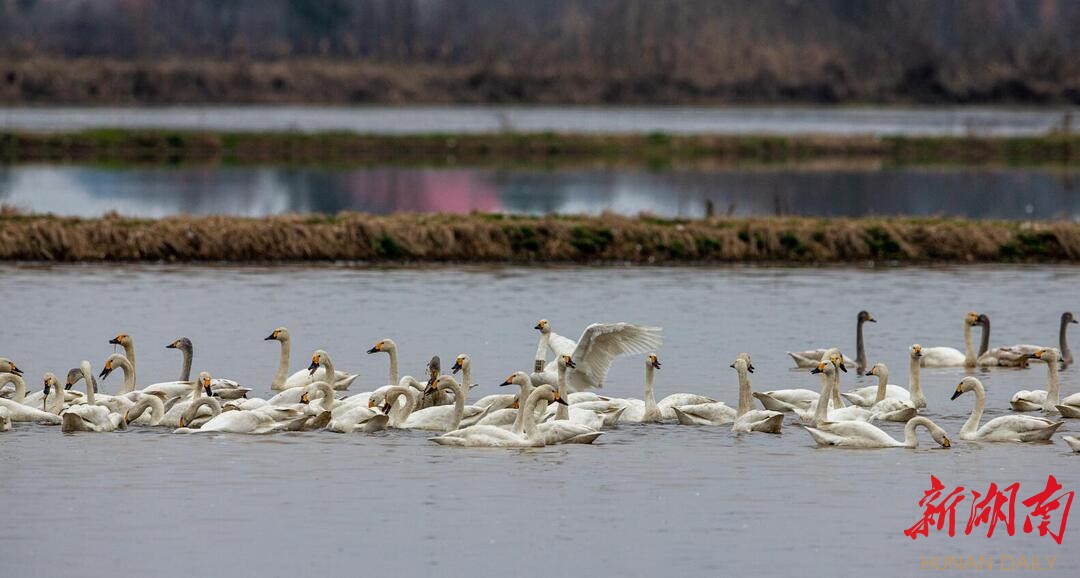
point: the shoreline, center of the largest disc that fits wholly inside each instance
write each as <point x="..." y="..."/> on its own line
<point x="121" y="146"/>
<point x="522" y="240"/>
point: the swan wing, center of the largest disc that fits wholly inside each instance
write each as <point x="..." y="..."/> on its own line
<point x="601" y="343"/>
<point x="858" y="434"/>
<point x="560" y="345"/>
<point x="1018" y="428"/>
<point x="1073" y="442"/>
<point x="942" y="357"/>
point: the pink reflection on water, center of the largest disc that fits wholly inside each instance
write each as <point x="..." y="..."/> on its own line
<point x="425" y="191"/>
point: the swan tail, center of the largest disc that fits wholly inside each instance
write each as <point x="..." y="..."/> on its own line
<point x="1068" y="411"/>
<point x="772" y="424"/>
<point x="1073" y="442"/>
<point x="376" y="423"/>
<point x="685" y="418"/>
<point x="320" y="421"/>
<point x="611" y="418"/>
<point x="1041" y="434"/>
<point x="343" y="384"/>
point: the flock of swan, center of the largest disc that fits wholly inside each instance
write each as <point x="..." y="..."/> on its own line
<point x="555" y="403"/>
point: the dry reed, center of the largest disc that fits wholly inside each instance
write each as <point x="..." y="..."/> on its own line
<point x="512" y="239"/>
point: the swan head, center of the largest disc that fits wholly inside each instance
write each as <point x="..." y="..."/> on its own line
<point x="383" y="345"/>
<point x="1067" y="317"/>
<point x="916" y="351"/>
<point x="543" y="326"/>
<point x="826" y="367"/>
<point x="434" y="369"/>
<point x="864" y="316"/>
<point x="517" y="378"/>
<point x="461" y="362"/>
<point x="441" y="382"/>
<point x="651" y="360"/>
<point x="73" y="376"/>
<point x="49" y="381"/>
<point x="967" y="384"/>
<point x="204" y="382"/>
<point x="742" y="363"/>
<point x="749" y="362"/>
<point x="279" y="334"/>
<point x="8" y="366"/>
<point x="566" y="362"/>
<point x="122" y="339"/>
<point x="939" y="434"/>
<point x="878" y="369"/>
<point x="972" y="318"/>
<point x="548" y="393"/>
<point x="1050" y="355"/>
<point x="838" y="360"/>
<point x="183" y="344"/>
<point x="318" y="358"/>
<point x="111" y="363"/>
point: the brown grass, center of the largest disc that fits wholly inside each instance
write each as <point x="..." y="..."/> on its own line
<point x="506" y="239"/>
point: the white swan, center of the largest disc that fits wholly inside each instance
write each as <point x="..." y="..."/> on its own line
<point x="1008" y="428"/>
<point x="282" y="380"/>
<point x="810" y="358"/>
<point x="1047" y="400"/>
<point x="713" y="412"/>
<point x="594" y="351"/>
<point x="223" y="388"/>
<point x="136" y="414"/>
<point x="443" y="417"/>
<point x="952" y="357"/>
<point x="531" y="434"/>
<point x="241" y="421"/>
<point x="1073" y="442"/>
<point x="820" y="411"/>
<point x="177" y="409"/>
<point x="89" y="417"/>
<point x="561" y="411"/>
<point x="647" y="410"/>
<point x="868" y="396"/>
<point x="752" y="420"/>
<point x="169" y="388"/>
<point x="859" y="434"/>
<point x="899" y="408"/>
<point x="17" y="410"/>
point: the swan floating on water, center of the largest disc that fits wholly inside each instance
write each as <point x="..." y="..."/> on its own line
<point x="810" y="358"/>
<point x="593" y="352"/>
<point x="860" y="434"/>
<point x="1007" y="428"/>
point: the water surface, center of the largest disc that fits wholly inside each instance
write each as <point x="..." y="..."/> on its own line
<point x="983" y="192"/>
<point x="644" y="500"/>
<point x="733" y="120"/>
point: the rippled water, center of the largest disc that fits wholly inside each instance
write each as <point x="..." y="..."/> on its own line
<point x="999" y="193"/>
<point x="868" y="120"/>
<point x="659" y="499"/>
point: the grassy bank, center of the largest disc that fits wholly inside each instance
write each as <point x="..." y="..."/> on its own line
<point x="158" y="147"/>
<point x="505" y="239"/>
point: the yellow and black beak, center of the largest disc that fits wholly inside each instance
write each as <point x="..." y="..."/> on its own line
<point x="559" y="399"/>
<point x="958" y="392"/>
<point x="945" y="443"/>
<point x="539" y="327"/>
<point x="456" y="367"/>
<point x="105" y="371"/>
<point x="304" y="398"/>
<point x="570" y="363"/>
<point x="509" y="381"/>
<point x="314" y="365"/>
<point x="515" y="405"/>
<point x="15" y="369"/>
<point x="171" y="345"/>
<point x="375" y="349"/>
<point x="431" y="388"/>
<point x="868" y="373"/>
<point x="115" y="340"/>
<point x="270" y="337"/>
<point x="841" y="365"/>
<point x="655" y="363"/>
<point x="819" y="369"/>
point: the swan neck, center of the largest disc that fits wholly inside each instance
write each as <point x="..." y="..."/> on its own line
<point x="20" y="385"/>
<point x="984" y="344"/>
<point x="459" y="405"/>
<point x="129" y="353"/>
<point x="650" y="396"/>
<point x="1063" y="342"/>
<point x="860" y="349"/>
<point x="185" y="369"/>
<point x="883" y="380"/>
<point x="400" y="412"/>
<point x="972" y="423"/>
<point x="283" y="363"/>
<point x="744" y="391"/>
<point x="89" y="380"/>
<point x="57" y="404"/>
<point x="541" y="350"/>
<point x="834" y="395"/>
<point x="393" y="366"/>
<point x="193" y="409"/>
<point x="915" y="379"/>
<point x="529" y="417"/>
<point x="1053" y="387"/>
<point x="129" y="377"/>
<point x="562" y="411"/>
<point x="911" y="440"/>
<point x="328" y="366"/>
<point x="523" y="407"/>
<point x="969" y="347"/>
<point x="821" y="413"/>
<point x="327" y="396"/>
